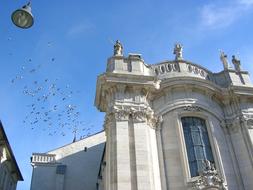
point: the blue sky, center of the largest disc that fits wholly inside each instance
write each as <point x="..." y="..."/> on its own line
<point x="71" y="40"/>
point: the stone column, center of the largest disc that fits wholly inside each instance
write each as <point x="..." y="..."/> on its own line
<point x="142" y="156"/>
<point x="242" y="151"/>
<point x="123" y="167"/>
<point x="248" y="132"/>
<point x="131" y="150"/>
<point x="161" y="154"/>
<point x="118" y="172"/>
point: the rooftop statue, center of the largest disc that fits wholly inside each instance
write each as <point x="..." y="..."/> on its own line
<point x="237" y="63"/>
<point x="178" y="51"/>
<point x="118" y="48"/>
<point x="224" y="60"/>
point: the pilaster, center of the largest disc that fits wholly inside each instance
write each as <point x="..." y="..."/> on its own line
<point x="242" y="149"/>
<point x="132" y="154"/>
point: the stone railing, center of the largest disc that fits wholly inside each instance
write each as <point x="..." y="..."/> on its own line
<point x="166" y="67"/>
<point x="183" y="67"/>
<point x="198" y="71"/>
<point x="43" y="158"/>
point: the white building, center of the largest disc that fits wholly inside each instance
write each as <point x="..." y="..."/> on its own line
<point x="169" y="126"/>
<point x="9" y="170"/>
<point x="73" y="166"/>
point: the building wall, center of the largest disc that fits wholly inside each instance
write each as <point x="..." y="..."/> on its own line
<point x="174" y="150"/>
<point x="7" y="179"/>
<point x="80" y="159"/>
<point x="145" y="140"/>
<point x="145" y="144"/>
<point x="9" y="170"/>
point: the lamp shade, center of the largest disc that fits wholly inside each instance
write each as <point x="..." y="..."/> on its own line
<point x="23" y="17"/>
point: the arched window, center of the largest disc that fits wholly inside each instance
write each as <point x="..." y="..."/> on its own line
<point x="197" y="143"/>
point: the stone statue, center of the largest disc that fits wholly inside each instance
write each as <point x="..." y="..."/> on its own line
<point x="224" y="60"/>
<point x="118" y="48"/>
<point x="208" y="165"/>
<point x="178" y="51"/>
<point x="237" y="63"/>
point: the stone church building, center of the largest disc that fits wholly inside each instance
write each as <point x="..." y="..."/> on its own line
<point x="173" y="125"/>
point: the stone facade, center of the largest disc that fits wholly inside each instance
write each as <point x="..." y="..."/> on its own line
<point x="9" y="171"/>
<point x="145" y="143"/>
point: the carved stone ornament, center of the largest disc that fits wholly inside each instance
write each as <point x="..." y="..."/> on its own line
<point x="209" y="179"/>
<point x="138" y="114"/>
<point x="247" y="120"/>
<point x="250" y="123"/>
<point x="192" y="108"/>
<point x="234" y="124"/>
<point x="156" y="122"/>
<point x="121" y="115"/>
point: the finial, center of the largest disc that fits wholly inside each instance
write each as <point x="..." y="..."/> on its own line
<point x="224" y="60"/>
<point x="237" y="63"/>
<point x="178" y="51"/>
<point x="118" y="49"/>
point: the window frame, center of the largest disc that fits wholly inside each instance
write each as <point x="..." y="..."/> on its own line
<point x="212" y="139"/>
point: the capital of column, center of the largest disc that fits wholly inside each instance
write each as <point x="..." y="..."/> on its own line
<point x="140" y="113"/>
<point x="234" y="124"/>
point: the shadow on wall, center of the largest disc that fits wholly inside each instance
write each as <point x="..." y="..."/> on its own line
<point x="82" y="168"/>
<point x="77" y="171"/>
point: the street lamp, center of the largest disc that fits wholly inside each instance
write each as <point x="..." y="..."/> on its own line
<point x="23" y="17"/>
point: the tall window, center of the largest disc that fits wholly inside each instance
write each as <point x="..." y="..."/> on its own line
<point x="197" y="143"/>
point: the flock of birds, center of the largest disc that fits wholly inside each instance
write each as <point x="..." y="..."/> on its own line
<point x="50" y="108"/>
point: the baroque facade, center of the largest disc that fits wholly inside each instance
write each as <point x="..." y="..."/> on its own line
<point x="9" y="170"/>
<point x="174" y="125"/>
